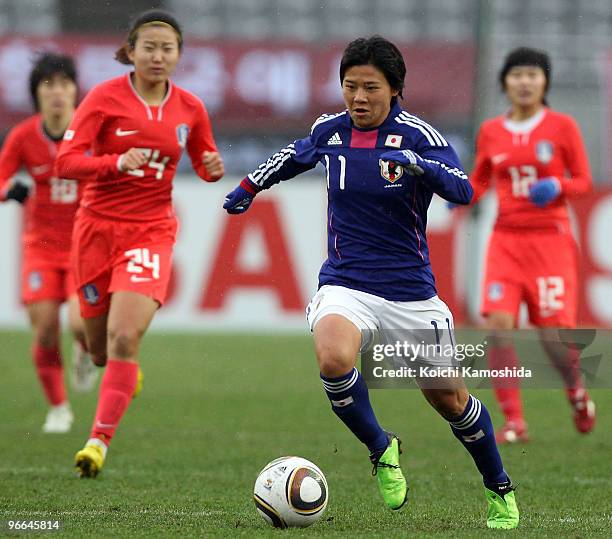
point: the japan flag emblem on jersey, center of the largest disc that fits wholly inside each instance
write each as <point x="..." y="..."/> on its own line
<point x="182" y="132"/>
<point x="390" y="171"/>
<point x="394" y="141"/>
<point x="544" y="151"/>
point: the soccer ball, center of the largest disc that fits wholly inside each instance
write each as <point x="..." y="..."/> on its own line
<point x="291" y="492"/>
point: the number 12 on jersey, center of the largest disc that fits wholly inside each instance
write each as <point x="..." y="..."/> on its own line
<point x="523" y="178"/>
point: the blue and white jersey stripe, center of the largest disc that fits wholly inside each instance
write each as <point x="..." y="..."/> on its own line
<point x="432" y="135"/>
<point x="454" y="171"/>
<point x="325" y="118"/>
<point x="272" y="165"/>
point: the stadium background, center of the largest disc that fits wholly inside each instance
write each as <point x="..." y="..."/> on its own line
<point x="216" y="405"/>
<point x="266" y="69"/>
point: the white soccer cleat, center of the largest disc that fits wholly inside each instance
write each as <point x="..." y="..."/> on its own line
<point x="59" y="419"/>
<point x="84" y="373"/>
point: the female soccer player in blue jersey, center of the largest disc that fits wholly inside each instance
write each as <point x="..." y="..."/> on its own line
<point x="383" y="167"/>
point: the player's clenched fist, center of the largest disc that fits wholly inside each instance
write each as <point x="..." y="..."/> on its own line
<point x="131" y="160"/>
<point x="214" y="164"/>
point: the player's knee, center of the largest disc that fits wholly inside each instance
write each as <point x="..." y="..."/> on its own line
<point x="47" y="334"/>
<point x="335" y="360"/>
<point x="449" y="404"/>
<point x="500" y="321"/>
<point x="123" y="343"/>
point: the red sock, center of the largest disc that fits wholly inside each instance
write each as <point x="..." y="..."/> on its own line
<point x="566" y="359"/>
<point x="116" y="392"/>
<point x="48" y="363"/>
<point x="507" y="390"/>
<point x="574" y="385"/>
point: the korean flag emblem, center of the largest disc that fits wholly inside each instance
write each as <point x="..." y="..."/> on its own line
<point x="390" y="171"/>
<point x="91" y="294"/>
<point x="496" y="291"/>
<point x="544" y="151"/>
<point x="35" y="281"/>
<point x="182" y="132"/>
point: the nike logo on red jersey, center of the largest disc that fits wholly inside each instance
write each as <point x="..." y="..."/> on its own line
<point x="136" y="279"/>
<point x="41" y="169"/>
<point x="121" y="133"/>
<point x="496" y="159"/>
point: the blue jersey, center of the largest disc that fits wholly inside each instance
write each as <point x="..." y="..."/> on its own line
<point x="377" y="214"/>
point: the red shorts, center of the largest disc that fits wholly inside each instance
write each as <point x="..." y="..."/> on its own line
<point x="42" y="279"/>
<point x="108" y="256"/>
<point x="539" y="268"/>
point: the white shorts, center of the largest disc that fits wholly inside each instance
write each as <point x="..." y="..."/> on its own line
<point x="388" y="322"/>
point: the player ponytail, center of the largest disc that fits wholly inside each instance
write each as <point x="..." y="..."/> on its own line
<point x="380" y="53"/>
<point x="153" y="17"/>
<point x="46" y="65"/>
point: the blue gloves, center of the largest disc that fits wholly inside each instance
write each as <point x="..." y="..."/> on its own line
<point x="412" y="162"/>
<point x="544" y="191"/>
<point x="18" y="192"/>
<point x="240" y="199"/>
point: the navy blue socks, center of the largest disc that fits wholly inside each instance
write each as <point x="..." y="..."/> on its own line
<point x="474" y="429"/>
<point x="351" y="403"/>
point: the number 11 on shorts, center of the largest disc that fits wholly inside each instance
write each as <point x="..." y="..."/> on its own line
<point x="139" y="260"/>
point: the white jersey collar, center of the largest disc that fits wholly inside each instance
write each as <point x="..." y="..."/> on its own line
<point x="523" y="127"/>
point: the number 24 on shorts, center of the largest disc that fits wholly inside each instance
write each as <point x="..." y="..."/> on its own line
<point x="139" y="260"/>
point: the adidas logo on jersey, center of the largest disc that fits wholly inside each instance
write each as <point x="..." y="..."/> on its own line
<point x="334" y="139"/>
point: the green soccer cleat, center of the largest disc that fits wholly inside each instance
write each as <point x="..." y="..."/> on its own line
<point x="503" y="514"/>
<point x="391" y="481"/>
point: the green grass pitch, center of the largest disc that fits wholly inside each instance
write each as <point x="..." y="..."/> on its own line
<point x="215" y="409"/>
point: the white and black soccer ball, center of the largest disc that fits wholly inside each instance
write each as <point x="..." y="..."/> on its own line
<point x="291" y="492"/>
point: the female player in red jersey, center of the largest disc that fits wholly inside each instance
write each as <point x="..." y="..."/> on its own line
<point x="130" y="132"/>
<point x="49" y="207"/>
<point x="538" y="161"/>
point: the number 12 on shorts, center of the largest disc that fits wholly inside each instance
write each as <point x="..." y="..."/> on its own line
<point x="551" y="291"/>
<point x="139" y="260"/>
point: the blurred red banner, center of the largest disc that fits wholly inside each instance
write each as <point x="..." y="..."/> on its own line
<point x="594" y="222"/>
<point x="252" y="85"/>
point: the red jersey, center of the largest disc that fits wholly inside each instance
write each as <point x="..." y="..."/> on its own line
<point x="112" y="119"/>
<point x="50" y="208"/>
<point x="515" y="155"/>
